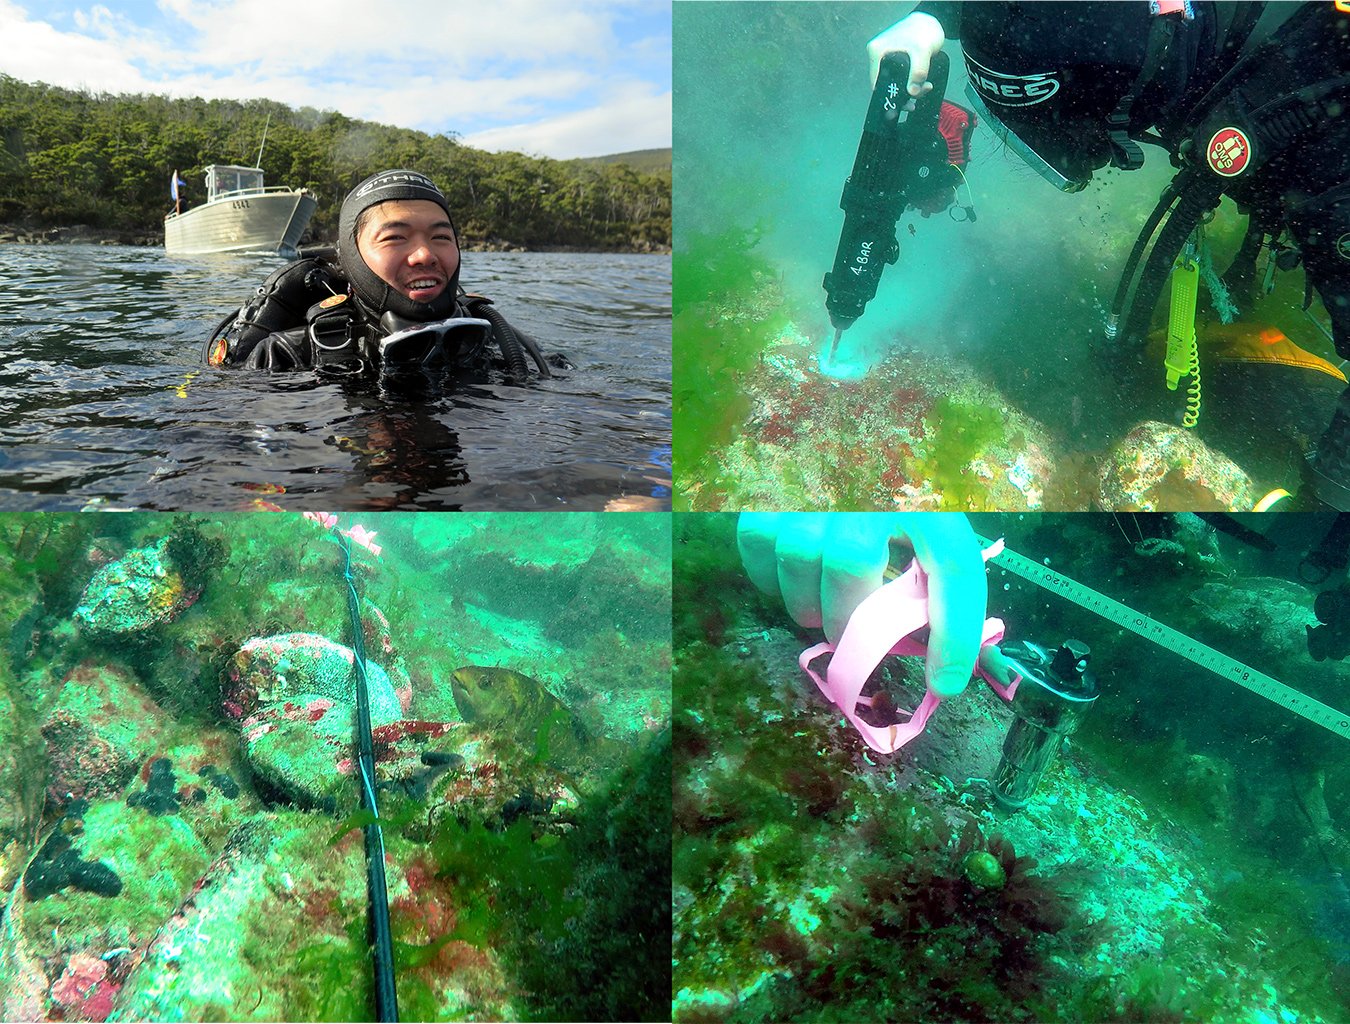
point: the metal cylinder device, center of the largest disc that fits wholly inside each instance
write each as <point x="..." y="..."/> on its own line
<point x="1052" y="699"/>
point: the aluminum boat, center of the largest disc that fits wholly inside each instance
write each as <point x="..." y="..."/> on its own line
<point x="240" y="215"/>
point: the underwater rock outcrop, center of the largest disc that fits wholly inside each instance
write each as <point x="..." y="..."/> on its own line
<point x="106" y="877"/>
<point x="1161" y="468"/>
<point x="100" y="729"/>
<point x="294" y="699"/>
<point x="303" y="749"/>
<point x="135" y="593"/>
<point x="1264" y="615"/>
<point x="273" y="668"/>
<point x="22" y="773"/>
<point x="268" y="919"/>
<point x="914" y="434"/>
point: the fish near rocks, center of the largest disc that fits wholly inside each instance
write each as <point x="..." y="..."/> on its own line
<point x="518" y="708"/>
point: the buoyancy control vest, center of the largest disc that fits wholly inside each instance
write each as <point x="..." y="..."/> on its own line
<point x="306" y="315"/>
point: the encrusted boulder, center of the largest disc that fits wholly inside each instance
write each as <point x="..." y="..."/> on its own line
<point x="22" y="772"/>
<point x="270" y="926"/>
<point x="1161" y="468"/>
<point x="303" y="750"/>
<point x="100" y="729"/>
<point x="201" y="780"/>
<point x="103" y="881"/>
<point x="281" y="667"/>
<point x="132" y="595"/>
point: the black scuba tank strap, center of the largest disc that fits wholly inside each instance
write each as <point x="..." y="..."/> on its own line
<point x="1166" y="26"/>
<point x="1330" y="460"/>
<point x="332" y="328"/>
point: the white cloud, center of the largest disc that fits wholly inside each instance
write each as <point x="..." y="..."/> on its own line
<point x="437" y="69"/>
<point x="458" y="35"/>
<point x="633" y="120"/>
<point x="36" y="51"/>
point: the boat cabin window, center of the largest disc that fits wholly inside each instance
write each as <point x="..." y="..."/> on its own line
<point x="221" y="180"/>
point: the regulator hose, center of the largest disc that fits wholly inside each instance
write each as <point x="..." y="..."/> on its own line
<point x="1195" y="202"/>
<point x="1169" y="195"/>
<point x="507" y="339"/>
<point x="532" y="347"/>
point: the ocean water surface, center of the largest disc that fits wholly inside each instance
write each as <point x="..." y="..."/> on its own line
<point x="105" y="402"/>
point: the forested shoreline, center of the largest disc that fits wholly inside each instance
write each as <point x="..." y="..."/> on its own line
<point x="97" y="167"/>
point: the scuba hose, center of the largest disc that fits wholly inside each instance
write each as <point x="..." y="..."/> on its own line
<point x="386" y="996"/>
<point x="514" y="344"/>
<point x="1195" y="200"/>
<point x="1165" y="201"/>
<point x="1194" y="190"/>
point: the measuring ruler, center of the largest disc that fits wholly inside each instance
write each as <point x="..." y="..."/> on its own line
<point x="1165" y="636"/>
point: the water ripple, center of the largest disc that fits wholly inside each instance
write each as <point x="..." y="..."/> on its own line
<point x="104" y="401"/>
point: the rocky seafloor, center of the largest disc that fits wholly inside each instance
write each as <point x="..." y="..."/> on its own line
<point x="179" y="836"/>
<point x="1178" y="862"/>
<point x="918" y="430"/>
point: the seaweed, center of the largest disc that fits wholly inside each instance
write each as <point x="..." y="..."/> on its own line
<point x="194" y="554"/>
<point x="958" y="432"/>
<point x="711" y="594"/>
<point x="716" y="279"/>
<point x="912" y="911"/>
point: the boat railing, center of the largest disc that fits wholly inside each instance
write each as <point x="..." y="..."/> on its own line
<point x="244" y="193"/>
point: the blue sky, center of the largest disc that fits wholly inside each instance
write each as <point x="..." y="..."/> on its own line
<point x="559" y="78"/>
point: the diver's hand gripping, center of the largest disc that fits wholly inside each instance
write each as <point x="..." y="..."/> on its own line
<point x="897" y="153"/>
<point x="919" y="35"/>
<point x="886" y="623"/>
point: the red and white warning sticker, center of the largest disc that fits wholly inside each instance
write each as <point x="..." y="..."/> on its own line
<point x="1229" y="152"/>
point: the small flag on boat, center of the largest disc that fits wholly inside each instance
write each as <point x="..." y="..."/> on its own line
<point x="174" y="182"/>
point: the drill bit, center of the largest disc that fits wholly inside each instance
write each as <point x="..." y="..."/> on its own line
<point x="838" y="333"/>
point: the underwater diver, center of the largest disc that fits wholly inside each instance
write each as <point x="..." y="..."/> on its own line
<point x="1247" y="98"/>
<point x="823" y="564"/>
<point x="387" y="298"/>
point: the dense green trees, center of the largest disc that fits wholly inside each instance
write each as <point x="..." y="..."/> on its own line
<point x="79" y="158"/>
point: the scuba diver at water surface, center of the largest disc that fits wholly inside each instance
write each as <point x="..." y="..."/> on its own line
<point x="1250" y="100"/>
<point x="387" y="298"/>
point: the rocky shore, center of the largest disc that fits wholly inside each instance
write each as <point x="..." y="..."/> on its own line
<point x="84" y="234"/>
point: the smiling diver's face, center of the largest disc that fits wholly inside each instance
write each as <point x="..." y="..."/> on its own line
<point x="410" y="245"/>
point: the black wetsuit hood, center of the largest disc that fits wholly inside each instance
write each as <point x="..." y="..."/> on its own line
<point x="375" y="294"/>
<point x="1054" y="73"/>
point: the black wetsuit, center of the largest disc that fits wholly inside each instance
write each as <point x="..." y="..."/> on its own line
<point x="306" y="316"/>
<point x="1303" y="183"/>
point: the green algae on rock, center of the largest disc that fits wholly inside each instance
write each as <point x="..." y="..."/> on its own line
<point x="1161" y="468"/>
<point x="135" y="593"/>
<point x="193" y="872"/>
<point x="914" y="434"/>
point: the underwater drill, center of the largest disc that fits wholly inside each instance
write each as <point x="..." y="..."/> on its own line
<point x="899" y="155"/>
